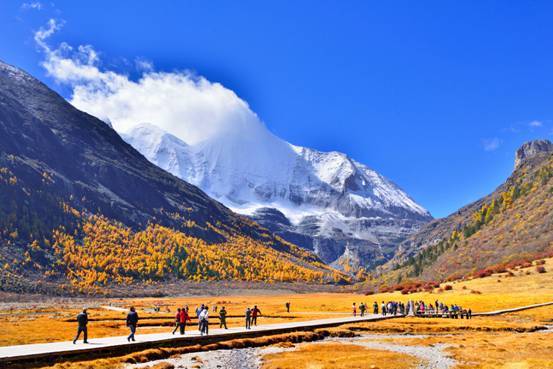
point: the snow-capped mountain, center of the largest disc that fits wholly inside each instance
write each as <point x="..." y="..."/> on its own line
<point x="325" y="201"/>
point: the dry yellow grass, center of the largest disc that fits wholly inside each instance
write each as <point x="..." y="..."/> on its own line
<point x="337" y="356"/>
<point x="502" y="351"/>
<point x="483" y="342"/>
<point x="24" y="326"/>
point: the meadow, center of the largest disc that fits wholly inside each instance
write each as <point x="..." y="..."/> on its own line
<point x="484" y="342"/>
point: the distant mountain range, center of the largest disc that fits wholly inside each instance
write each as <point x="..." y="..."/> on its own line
<point x="78" y="201"/>
<point x="326" y="202"/>
<point x="510" y="226"/>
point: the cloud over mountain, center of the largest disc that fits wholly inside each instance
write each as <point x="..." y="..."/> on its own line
<point x="176" y="102"/>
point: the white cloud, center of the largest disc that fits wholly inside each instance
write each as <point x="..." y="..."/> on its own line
<point x="536" y="123"/>
<point x="491" y="144"/>
<point x="36" y="5"/>
<point x="143" y="65"/>
<point x="188" y="106"/>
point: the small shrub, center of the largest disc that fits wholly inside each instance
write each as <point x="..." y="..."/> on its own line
<point x="483" y="273"/>
<point x="540" y="269"/>
<point x="448" y="287"/>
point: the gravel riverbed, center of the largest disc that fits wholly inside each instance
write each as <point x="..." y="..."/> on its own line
<point x="430" y="357"/>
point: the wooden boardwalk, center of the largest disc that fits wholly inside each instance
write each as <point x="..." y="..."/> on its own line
<point x="45" y="351"/>
<point x="119" y="345"/>
<point x="513" y="310"/>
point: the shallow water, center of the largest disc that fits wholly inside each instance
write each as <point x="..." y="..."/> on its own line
<point x="430" y="357"/>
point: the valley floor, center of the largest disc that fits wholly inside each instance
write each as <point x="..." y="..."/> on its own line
<point x="515" y="340"/>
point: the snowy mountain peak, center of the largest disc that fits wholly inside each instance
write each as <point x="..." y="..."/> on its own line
<point x="324" y="195"/>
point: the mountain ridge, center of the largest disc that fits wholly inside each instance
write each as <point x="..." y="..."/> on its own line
<point x="67" y="179"/>
<point x="512" y="224"/>
<point x="332" y="203"/>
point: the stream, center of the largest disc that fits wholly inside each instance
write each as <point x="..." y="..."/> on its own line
<point x="430" y="357"/>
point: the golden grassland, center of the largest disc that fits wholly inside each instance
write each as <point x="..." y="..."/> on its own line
<point x="506" y="341"/>
<point x="27" y="324"/>
<point x="332" y="355"/>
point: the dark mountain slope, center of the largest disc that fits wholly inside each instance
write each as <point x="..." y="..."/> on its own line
<point x="40" y="133"/>
<point x="60" y="168"/>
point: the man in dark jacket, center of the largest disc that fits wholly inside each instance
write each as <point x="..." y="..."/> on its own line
<point x="223" y="318"/>
<point x="248" y="318"/>
<point x="132" y="321"/>
<point x="82" y="321"/>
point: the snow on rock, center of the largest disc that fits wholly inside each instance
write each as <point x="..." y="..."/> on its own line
<point x="327" y="196"/>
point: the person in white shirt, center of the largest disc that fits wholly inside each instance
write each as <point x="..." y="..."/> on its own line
<point x="204" y="321"/>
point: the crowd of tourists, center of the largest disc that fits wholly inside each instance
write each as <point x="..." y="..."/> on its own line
<point x="183" y="315"/>
<point x="417" y="308"/>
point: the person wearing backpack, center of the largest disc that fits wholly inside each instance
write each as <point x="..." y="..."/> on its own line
<point x="177" y="321"/>
<point x="223" y="318"/>
<point x="204" y="321"/>
<point x="82" y="321"/>
<point x="132" y="322"/>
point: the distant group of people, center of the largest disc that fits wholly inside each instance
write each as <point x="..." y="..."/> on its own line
<point x="440" y="309"/>
<point x="202" y="314"/>
<point x="390" y="308"/>
<point x="418" y="308"/>
<point x="182" y="316"/>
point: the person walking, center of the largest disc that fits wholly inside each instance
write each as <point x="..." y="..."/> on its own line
<point x="132" y="322"/>
<point x="255" y="313"/>
<point x="82" y="321"/>
<point x="183" y="317"/>
<point x="177" y="321"/>
<point x="248" y="318"/>
<point x="204" y="321"/>
<point x="375" y="308"/>
<point x="362" y="309"/>
<point x="199" y="310"/>
<point x="354" y="307"/>
<point x="223" y="318"/>
<point x="287" y="307"/>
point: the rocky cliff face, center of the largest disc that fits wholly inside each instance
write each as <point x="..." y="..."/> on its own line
<point x="532" y="149"/>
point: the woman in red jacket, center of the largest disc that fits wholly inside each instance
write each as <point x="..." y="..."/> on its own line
<point x="183" y="318"/>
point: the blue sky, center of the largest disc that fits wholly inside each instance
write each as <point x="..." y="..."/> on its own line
<point x="435" y="95"/>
